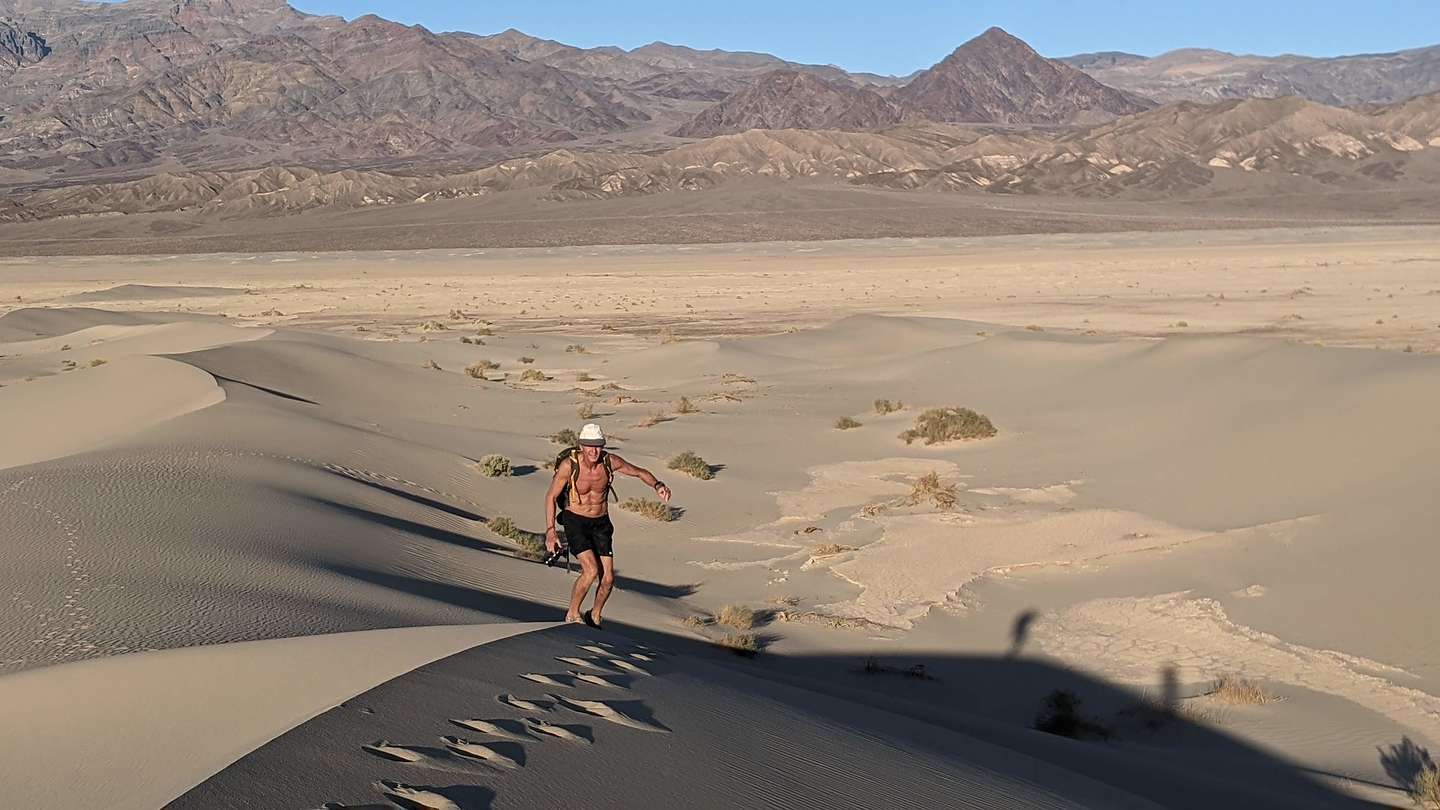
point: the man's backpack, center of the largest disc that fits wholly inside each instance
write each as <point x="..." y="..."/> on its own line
<point x="573" y="456"/>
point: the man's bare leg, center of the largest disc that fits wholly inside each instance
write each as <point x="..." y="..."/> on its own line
<point x="607" y="584"/>
<point x="589" y="570"/>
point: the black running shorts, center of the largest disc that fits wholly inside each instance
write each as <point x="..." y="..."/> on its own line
<point x="587" y="533"/>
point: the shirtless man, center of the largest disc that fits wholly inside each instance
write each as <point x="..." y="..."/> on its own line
<point x="586" y="516"/>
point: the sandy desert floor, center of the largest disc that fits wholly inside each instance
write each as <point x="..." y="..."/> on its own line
<point x="1215" y="456"/>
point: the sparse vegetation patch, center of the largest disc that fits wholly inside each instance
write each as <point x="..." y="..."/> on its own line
<point x="1060" y="714"/>
<point x="478" y="368"/>
<point x="846" y="423"/>
<point x="533" y="375"/>
<point x="691" y="464"/>
<point x="938" y="425"/>
<point x="532" y="545"/>
<point x="884" y="406"/>
<point x="741" y="644"/>
<point x="650" y="508"/>
<point x="686" y="406"/>
<point x="930" y="489"/>
<point x="565" y="438"/>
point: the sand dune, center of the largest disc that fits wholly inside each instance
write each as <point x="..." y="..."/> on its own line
<point x="1223" y="496"/>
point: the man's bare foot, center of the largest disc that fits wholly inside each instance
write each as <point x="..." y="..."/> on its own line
<point x="573" y="618"/>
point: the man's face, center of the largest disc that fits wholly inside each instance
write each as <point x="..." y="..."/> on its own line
<point x="592" y="454"/>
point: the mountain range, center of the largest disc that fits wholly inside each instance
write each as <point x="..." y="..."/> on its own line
<point x="249" y="107"/>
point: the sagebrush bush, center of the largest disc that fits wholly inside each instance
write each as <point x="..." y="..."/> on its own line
<point x="495" y="466"/>
<point x="565" y="438"/>
<point x="527" y="360"/>
<point x="938" y="425"/>
<point x="586" y="411"/>
<point x="884" y="406"/>
<point x="532" y="545"/>
<point x="650" y="508"/>
<point x="686" y="406"/>
<point x="691" y="464"/>
<point x="533" y="375"/>
<point x="846" y="423"/>
<point x="655" y="418"/>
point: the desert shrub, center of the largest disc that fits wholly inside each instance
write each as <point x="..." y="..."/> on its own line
<point x="478" y="368"/>
<point x="65" y="348"/>
<point x="575" y="348"/>
<point x="697" y="622"/>
<point x="484" y="331"/>
<point x="68" y="365"/>
<point x="938" y="425"/>
<point x="433" y="366"/>
<point x="668" y="336"/>
<point x="650" y="508"/>
<point x="1060" y="714"/>
<point x="586" y="411"/>
<point x="469" y="341"/>
<point x="741" y="644"/>
<point x="884" y="406"/>
<point x="533" y="375"/>
<point x="736" y="616"/>
<point x="1239" y="691"/>
<point x="495" y="466"/>
<point x="565" y="438"/>
<point x="98" y="362"/>
<point x="930" y="489"/>
<point x="527" y="360"/>
<point x="846" y="423"/>
<point x="691" y="464"/>
<point x="1182" y="324"/>
<point x="433" y="326"/>
<point x="1035" y="328"/>
<point x="457" y="314"/>
<point x="686" y="406"/>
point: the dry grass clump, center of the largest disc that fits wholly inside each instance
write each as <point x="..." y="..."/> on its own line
<point x="433" y="366"/>
<point x="667" y="335"/>
<point x="532" y="545"/>
<point x="655" y="418"/>
<point x="433" y="326"/>
<point x="583" y="377"/>
<point x="1239" y="691"/>
<point x="98" y="362"/>
<point x="586" y="411"/>
<point x="1424" y="788"/>
<point x="526" y="360"/>
<point x="938" y="425"/>
<point x="884" y="406"/>
<point x="741" y="644"/>
<point x="534" y="375"/>
<point x="1035" y="328"/>
<point x="478" y="368"/>
<point x="736" y="616"/>
<point x="846" y="423"/>
<point x="696" y="622"/>
<point x="830" y="550"/>
<point x="686" y="406"/>
<point x="469" y="341"/>
<point x="650" y="508"/>
<point x="1060" y="714"/>
<point x="565" y="438"/>
<point x="495" y="466"/>
<point x="576" y="348"/>
<point x="691" y="464"/>
<point x="930" y="489"/>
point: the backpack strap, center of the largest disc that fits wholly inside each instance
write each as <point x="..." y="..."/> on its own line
<point x="609" y="472"/>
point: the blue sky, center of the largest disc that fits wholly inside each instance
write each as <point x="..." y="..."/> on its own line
<point x="886" y="36"/>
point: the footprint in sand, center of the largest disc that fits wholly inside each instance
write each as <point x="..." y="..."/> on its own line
<point x="597" y="649"/>
<point x="481" y="751"/>
<point x="609" y="659"/>
<point x="606" y="711"/>
<point x="413" y="797"/>
<point x="560" y="732"/>
<point x="544" y="679"/>
<point x="491" y="728"/>
<point x="583" y="663"/>
<point x="628" y="667"/>
<point x="399" y="753"/>
<point x="595" y="679"/>
<point x="521" y="704"/>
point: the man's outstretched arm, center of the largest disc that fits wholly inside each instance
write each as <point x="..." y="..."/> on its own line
<point x="562" y="477"/>
<point x="626" y="468"/>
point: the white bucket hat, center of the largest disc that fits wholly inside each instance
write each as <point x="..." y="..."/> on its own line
<point x="592" y="436"/>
